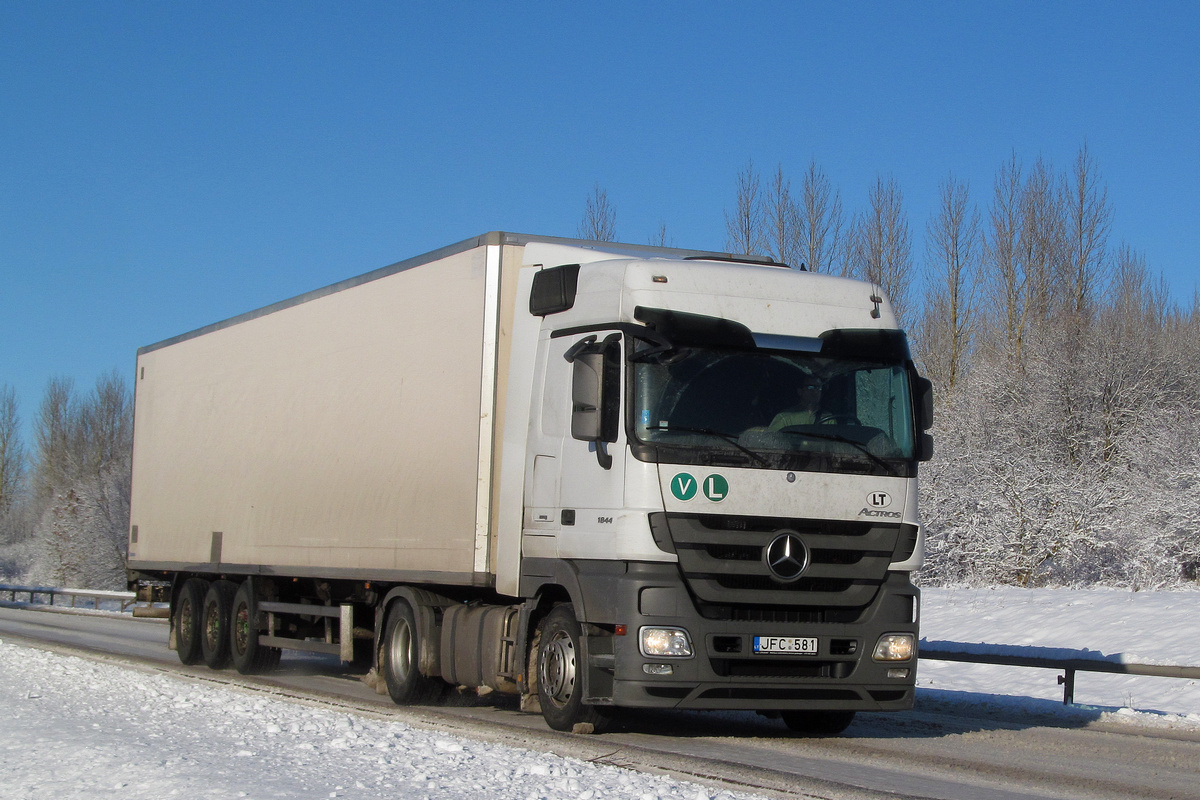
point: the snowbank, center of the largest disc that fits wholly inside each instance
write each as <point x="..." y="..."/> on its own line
<point x="73" y="728"/>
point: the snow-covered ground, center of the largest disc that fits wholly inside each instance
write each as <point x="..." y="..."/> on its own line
<point x="77" y="728"/>
<point x="1140" y="627"/>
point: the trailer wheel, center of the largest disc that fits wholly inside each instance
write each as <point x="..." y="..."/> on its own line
<point x="187" y="620"/>
<point x="214" y="624"/>
<point x="560" y="673"/>
<point x="817" y="723"/>
<point x="249" y="656"/>
<point x="399" y="658"/>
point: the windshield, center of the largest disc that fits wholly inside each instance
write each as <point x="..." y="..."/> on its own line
<point x="780" y="409"/>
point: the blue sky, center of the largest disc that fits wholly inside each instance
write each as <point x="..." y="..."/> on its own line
<point x="164" y="165"/>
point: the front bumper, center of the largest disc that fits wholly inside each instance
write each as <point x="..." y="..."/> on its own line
<point x="724" y="672"/>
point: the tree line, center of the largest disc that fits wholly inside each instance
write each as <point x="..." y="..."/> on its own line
<point x="1069" y="391"/>
<point x="64" y="502"/>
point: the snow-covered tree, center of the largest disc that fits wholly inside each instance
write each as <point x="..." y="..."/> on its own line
<point x="82" y="469"/>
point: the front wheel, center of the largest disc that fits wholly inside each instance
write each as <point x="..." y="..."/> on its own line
<point x="560" y="673"/>
<point x="399" y="657"/>
<point x="818" y="723"/>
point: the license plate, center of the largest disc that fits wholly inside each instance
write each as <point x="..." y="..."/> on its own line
<point x="786" y="645"/>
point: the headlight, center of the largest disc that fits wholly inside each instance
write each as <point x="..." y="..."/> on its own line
<point x="894" y="647"/>
<point x="665" y="642"/>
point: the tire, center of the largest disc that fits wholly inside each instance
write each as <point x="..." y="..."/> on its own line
<point x="818" y="723"/>
<point x="399" y="659"/>
<point x="560" y="673"/>
<point x="188" y="606"/>
<point x="248" y="655"/>
<point x="214" y="624"/>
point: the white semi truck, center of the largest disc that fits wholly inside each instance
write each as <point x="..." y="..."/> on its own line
<point x="599" y="476"/>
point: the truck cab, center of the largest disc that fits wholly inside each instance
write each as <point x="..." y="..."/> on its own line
<point x="721" y="471"/>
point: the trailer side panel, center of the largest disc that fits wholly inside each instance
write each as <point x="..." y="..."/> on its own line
<point x="342" y="433"/>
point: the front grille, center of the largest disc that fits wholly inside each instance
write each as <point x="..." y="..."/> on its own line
<point x="792" y="615"/>
<point x="721" y="558"/>
<point x="765" y="583"/>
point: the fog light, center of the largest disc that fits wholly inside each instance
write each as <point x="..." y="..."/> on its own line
<point x="897" y="673"/>
<point x="660" y="669"/>
<point x="894" y="647"/>
<point x="665" y="642"/>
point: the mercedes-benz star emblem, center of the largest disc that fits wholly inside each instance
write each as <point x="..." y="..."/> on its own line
<point x="786" y="556"/>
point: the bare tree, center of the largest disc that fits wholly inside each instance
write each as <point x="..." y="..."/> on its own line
<point x="1135" y="302"/>
<point x="599" y="218"/>
<point x="106" y="422"/>
<point x="820" y="222"/>
<point x="952" y="252"/>
<point x="12" y="451"/>
<point x="1005" y="284"/>
<point x="883" y="244"/>
<point x="1088" y="220"/>
<point x="659" y="237"/>
<point x="1042" y="243"/>
<point x="781" y="221"/>
<point x="744" y="227"/>
<point x="56" y="433"/>
<point x="1024" y="252"/>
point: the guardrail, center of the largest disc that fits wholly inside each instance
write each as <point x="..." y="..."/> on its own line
<point x="1063" y="660"/>
<point x="126" y="599"/>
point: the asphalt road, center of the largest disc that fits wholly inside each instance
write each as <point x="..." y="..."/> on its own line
<point x="920" y="754"/>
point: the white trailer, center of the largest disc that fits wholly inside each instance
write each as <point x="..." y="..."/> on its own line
<point x="549" y="467"/>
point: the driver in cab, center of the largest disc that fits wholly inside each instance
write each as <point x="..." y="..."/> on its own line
<point x="805" y="411"/>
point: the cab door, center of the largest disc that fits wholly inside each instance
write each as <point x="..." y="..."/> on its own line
<point x="575" y="490"/>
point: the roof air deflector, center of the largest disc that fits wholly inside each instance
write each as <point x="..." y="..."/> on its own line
<point x="554" y="290"/>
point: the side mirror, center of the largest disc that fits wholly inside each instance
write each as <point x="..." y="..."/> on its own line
<point x="596" y="393"/>
<point x="925" y="403"/>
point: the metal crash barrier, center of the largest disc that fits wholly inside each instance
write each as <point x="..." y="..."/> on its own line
<point x="1065" y="661"/>
<point x="45" y="595"/>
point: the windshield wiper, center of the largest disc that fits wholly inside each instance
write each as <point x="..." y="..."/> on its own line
<point x="834" y="437"/>
<point x="728" y="437"/>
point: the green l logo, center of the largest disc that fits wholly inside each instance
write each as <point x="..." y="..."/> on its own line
<point x="716" y="488"/>
<point x="684" y="486"/>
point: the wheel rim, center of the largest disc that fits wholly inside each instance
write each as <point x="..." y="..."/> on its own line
<point x="558" y="668"/>
<point x="212" y="625"/>
<point x="185" y="620"/>
<point x="241" y="628"/>
<point x="400" y="652"/>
